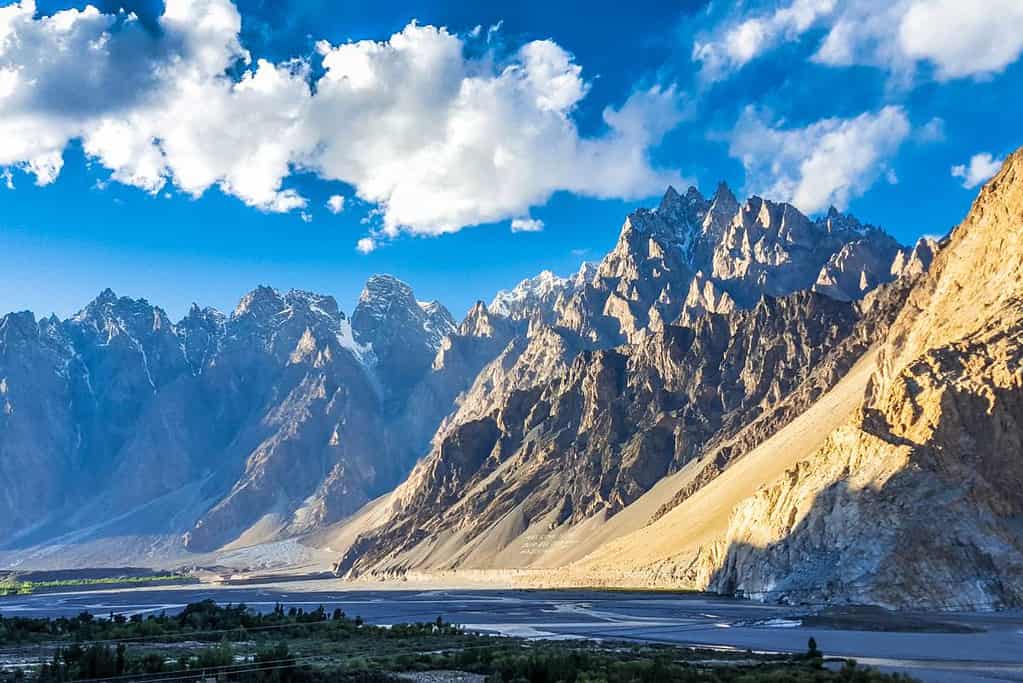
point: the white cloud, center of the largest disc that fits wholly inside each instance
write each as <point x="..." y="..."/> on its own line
<point x="740" y="42"/>
<point x="963" y="38"/>
<point x="366" y="245"/>
<point x="932" y="131"/>
<point x="526" y="225"/>
<point x="153" y="110"/>
<point x="305" y="216"/>
<point x="336" y="204"/>
<point x="435" y="139"/>
<point x="980" y="168"/>
<point x="464" y="143"/>
<point x="827" y="162"/>
<point x="958" y="39"/>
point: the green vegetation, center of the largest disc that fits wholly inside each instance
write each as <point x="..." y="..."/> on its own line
<point x="11" y="585"/>
<point x="233" y="643"/>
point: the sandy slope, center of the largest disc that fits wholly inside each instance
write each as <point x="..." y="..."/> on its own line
<point x="621" y="550"/>
<point x="704" y="517"/>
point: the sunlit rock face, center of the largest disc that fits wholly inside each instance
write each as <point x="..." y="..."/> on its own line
<point x="912" y="498"/>
<point x="915" y="500"/>
<point x="710" y="325"/>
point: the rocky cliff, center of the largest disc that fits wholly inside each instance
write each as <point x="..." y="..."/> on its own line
<point x="912" y="497"/>
<point x="917" y="498"/>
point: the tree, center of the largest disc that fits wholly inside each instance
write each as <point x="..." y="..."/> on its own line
<point x="119" y="662"/>
<point x="814" y="654"/>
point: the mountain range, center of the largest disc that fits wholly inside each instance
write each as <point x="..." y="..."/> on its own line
<point x="737" y="397"/>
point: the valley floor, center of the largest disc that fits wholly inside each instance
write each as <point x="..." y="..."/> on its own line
<point x="967" y="647"/>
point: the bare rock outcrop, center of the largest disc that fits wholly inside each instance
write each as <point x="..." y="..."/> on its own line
<point x="915" y="500"/>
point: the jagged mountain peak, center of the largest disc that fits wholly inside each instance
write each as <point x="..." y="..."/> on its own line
<point x="263" y="301"/>
<point x="439" y="321"/>
<point x="587" y="271"/>
<point x="265" y="304"/>
<point x="197" y="312"/>
<point x="403" y="334"/>
<point x="481" y="321"/>
<point x="386" y="298"/>
<point x="384" y="287"/>
<point x="108" y="298"/>
<point x="319" y="304"/>
<point x="672" y="201"/>
<point x="722" y="209"/>
<point x="110" y="314"/>
<point x="723" y="205"/>
<point x="477" y="310"/>
<point x="105" y="297"/>
<point x="537" y="294"/>
<point x="768" y="213"/>
<point x="723" y="193"/>
<point x="916" y="260"/>
<point x="676" y="220"/>
<point x="434" y="307"/>
<point x="438" y="314"/>
<point x="835" y="221"/>
<point x="17" y="327"/>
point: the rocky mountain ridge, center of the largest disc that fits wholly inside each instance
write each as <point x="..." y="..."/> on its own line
<point x="274" y="415"/>
<point x="884" y="470"/>
<point x="567" y="418"/>
<point x="912" y="499"/>
<point x="631" y="370"/>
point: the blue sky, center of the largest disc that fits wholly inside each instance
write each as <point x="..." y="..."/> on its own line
<point x="805" y="101"/>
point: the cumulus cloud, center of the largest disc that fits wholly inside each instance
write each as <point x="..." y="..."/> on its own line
<point x="740" y="42"/>
<point x="366" y="245"/>
<point x="526" y="225"/>
<point x="828" y="162"/>
<point x="980" y="168"/>
<point x="336" y="204"/>
<point x="173" y="115"/>
<point x="963" y="38"/>
<point x="436" y="139"/>
<point x="956" y="39"/>
<point x="464" y="143"/>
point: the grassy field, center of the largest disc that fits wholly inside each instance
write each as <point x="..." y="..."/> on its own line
<point x="12" y="585"/>
<point x="232" y="643"/>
